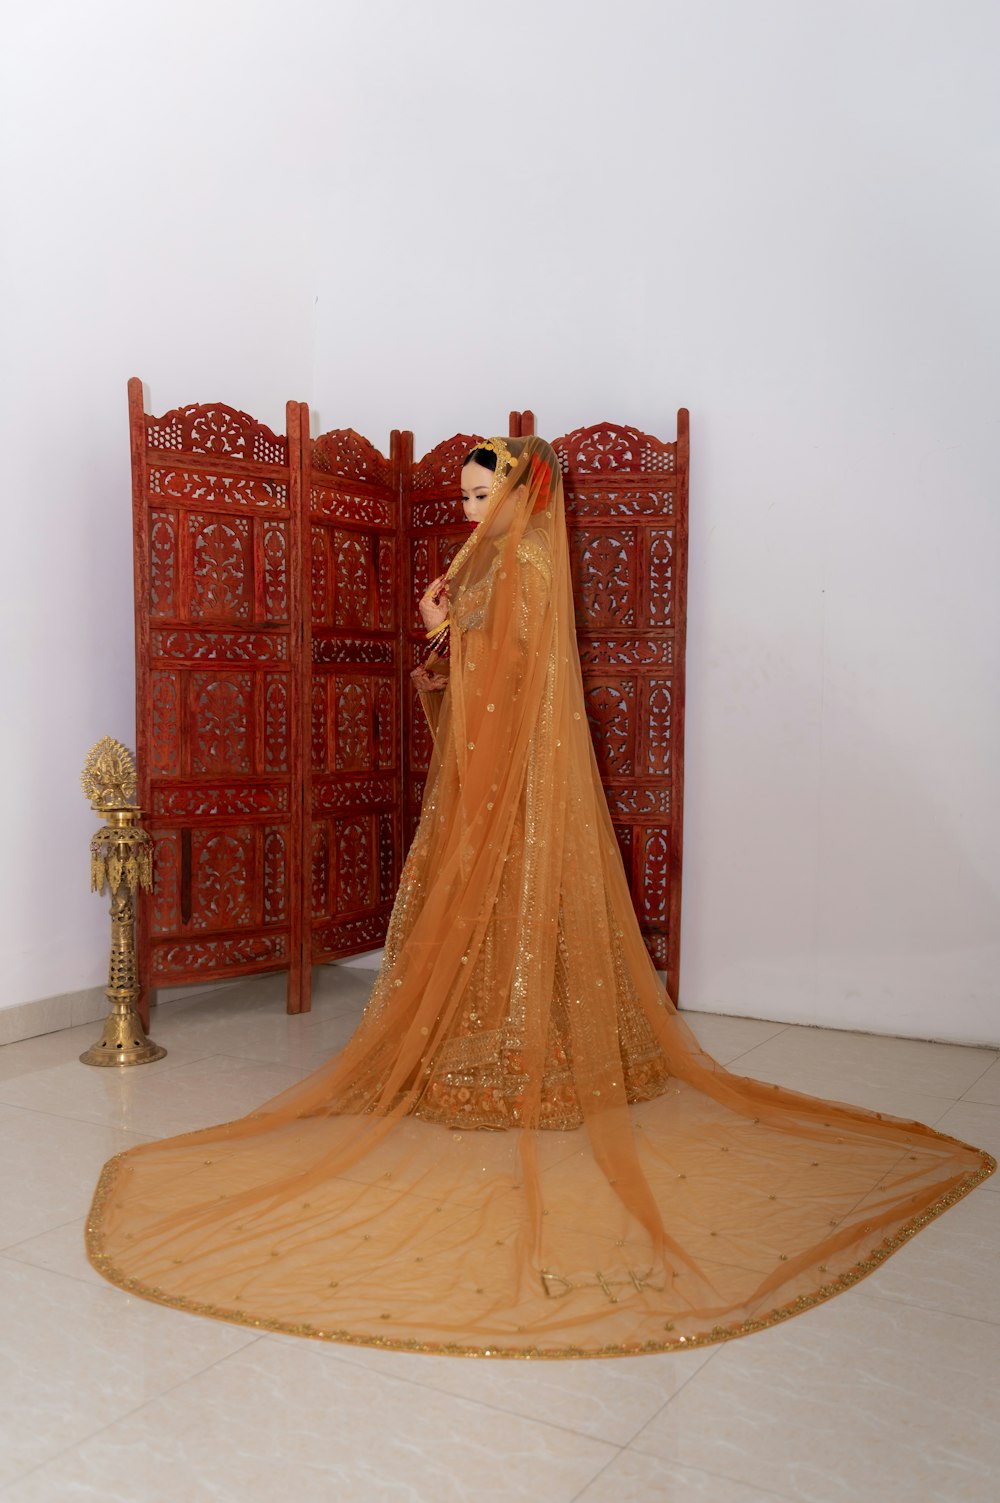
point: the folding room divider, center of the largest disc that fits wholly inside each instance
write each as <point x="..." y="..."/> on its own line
<point x="282" y="749"/>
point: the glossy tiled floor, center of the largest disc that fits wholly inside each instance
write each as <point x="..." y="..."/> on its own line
<point x="888" y="1393"/>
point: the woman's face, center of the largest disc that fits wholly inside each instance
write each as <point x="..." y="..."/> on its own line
<point x="476" y="483"/>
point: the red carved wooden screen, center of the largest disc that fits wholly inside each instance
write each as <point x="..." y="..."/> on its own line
<point x="626" y="513"/>
<point x="352" y="777"/>
<point x="282" y="749"/>
<point x="217" y="564"/>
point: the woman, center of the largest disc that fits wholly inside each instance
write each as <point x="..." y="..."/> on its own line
<point x="522" y="1150"/>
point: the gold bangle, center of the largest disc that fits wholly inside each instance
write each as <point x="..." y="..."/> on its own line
<point x="436" y="631"/>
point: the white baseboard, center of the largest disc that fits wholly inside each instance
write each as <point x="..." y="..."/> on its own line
<point x="26" y="1020"/>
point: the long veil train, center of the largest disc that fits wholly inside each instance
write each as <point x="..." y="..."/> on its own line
<point x="522" y="1150"/>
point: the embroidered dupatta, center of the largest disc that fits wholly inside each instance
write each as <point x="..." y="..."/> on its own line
<point x="523" y="1150"/>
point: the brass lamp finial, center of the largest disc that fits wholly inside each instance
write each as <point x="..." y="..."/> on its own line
<point x="108" y="775"/>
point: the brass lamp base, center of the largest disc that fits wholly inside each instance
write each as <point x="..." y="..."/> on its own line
<point x="124" y="1040"/>
<point x="121" y="861"/>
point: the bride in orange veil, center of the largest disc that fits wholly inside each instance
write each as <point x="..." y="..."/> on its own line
<point x="522" y="1151"/>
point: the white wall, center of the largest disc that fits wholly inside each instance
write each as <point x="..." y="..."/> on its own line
<point x="780" y="215"/>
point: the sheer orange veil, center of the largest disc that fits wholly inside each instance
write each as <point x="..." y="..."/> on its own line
<point x="522" y="1150"/>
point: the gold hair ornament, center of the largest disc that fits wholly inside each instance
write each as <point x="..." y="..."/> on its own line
<point x="505" y="461"/>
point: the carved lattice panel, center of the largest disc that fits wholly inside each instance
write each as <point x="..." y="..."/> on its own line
<point x="353" y="780"/>
<point x="626" y="512"/>
<point x="213" y="509"/>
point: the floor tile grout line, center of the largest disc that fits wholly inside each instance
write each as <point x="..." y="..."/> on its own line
<point x="70" y="1221"/>
<point x="947" y="1109"/>
<point x="59" y="1272"/>
<point x="728" y="1064"/>
<point x="228" y="1053"/>
<point x="310" y="1022"/>
<point x="479" y="1403"/>
<point x="39" y="1111"/>
<point x="341" y="1356"/>
<point x="497" y="1408"/>
<point x="301" y="1071"/>
<point x="695" y="1371"/>
<point x="910" y="1304"/>
<point x="599" y="1473"/>
<point x="118" y="1127"/>
<point x="128" y="1414"/>
<point x="26" y="1074"/>
<point x="252" y="1059"/>
<point x="224" y="1054"/>
<point x="892" y="1038"/>
<point x="313" y="1018"/>
<point x="249" y="1012"/>
<point x="759" y="1045"/>
<point x="978" y="1078"/>
<point x="768" y="1492"/>
<point x="951" y="1100"/>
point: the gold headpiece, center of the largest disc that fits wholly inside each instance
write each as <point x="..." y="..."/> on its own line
<point x="498" y="447"/>
<point x="505" y="460"/>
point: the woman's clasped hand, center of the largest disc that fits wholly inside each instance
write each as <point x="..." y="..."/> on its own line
<point x="433" y="608"/>
<point x="427" y="680"/>
<point x="434" y="602"/>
